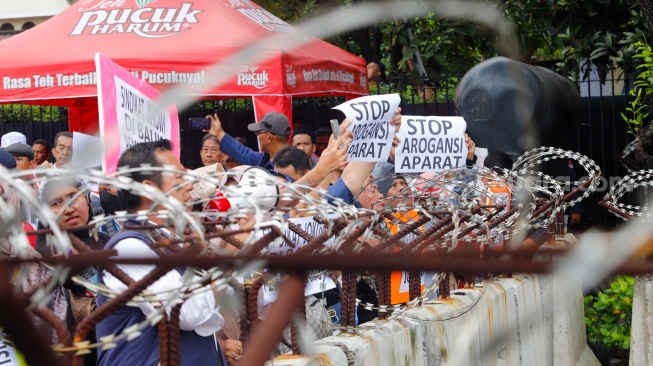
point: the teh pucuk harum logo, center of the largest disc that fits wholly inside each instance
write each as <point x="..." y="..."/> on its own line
<point x="147" y="22"/>
<point x="248" y="76"/>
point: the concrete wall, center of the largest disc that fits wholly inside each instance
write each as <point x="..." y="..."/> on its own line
<point x="641" y="341"/>
<point x="523" y="320"/>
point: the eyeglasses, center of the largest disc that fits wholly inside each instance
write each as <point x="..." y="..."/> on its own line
<point x="261" y="132"/>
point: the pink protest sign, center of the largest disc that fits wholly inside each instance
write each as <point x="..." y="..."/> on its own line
<point x="129" y="113"/>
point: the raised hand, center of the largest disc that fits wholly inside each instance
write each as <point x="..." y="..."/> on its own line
<point x="216" y="127"/>
<point x="396" y="119"/>
<point x="471" y="147"/>
<point x="334" y="157"/>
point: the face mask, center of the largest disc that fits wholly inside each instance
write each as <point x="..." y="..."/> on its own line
<point x="110" y="203"/>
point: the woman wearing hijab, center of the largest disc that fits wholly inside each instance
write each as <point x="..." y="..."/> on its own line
<point x="64" y="195"/>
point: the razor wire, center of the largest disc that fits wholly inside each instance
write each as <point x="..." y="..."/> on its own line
<point x="254" y="196"/>
<point x="629" y="183"/>
<point x="627" y="151"/>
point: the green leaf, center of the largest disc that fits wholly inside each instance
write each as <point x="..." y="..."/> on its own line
<point x="598" y="53"/>
<point x="609" y="319"/>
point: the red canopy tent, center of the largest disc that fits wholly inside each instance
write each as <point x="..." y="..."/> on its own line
<point x="166" y="42"/>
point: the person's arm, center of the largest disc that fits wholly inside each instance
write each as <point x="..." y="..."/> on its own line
<point x="301" y="208"/>
<point x="535" y="239"/>
<point x="356" y="173"/>
<point x="242" y="154"/>
<point x="333" y="158"/>
<point x="340" y="190"/>
<point x="195" y="311"/>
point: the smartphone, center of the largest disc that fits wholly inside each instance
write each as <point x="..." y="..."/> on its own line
<point x="335" y="127"/>
<point x="200" y="124"/>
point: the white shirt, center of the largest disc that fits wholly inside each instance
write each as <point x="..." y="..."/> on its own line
<point x="199" y="312"/>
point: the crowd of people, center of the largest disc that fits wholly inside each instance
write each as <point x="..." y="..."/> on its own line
<point x="313" y="162"/>
<point x="48" y="173"/>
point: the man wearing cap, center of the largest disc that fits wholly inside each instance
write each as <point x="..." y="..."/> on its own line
<point x="272" y="132"/>
<point x="11" y="138"/>
<point x="23" y="154"/>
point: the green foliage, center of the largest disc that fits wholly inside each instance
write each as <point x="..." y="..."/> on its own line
<point x="210" y="106"/>
<point x="635" y="112"/>
<point x="569" y="31"/>
<point x="311" y="102"/>
<point x="637" y="109"/>
<point x="608" y="316"/>
<point x="445" y="46"/>
<point x="26" y="113"/>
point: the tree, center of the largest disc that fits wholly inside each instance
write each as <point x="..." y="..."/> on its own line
<point x="388" y="41"/>
<point x="568" y="31"/>
<point x="644" y="148"/>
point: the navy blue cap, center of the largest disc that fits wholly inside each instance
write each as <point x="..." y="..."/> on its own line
<point x="7" y="160"/>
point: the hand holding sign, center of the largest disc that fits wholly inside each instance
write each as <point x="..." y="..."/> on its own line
<point x="343" y="129"/>
<point x="393" y="149"/>
<point x="396" y="119"/>
<point x="373" y="126"/>
<point x="471" y="147"/>
<point x="431" y="144"/>
<point x="334" y="157"/>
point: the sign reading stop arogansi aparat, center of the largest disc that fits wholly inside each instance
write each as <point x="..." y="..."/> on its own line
<point x="372" y="128"/>
<point x="129" y="113"/>
<point x="430" y="144"/>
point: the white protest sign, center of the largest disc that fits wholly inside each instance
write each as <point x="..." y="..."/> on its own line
<point x="139" y="117"/>
<point x="129" y="113"/>
<point x="373" y="133"/>
<point x="87" y="151"/>
<point x="317" y="280"/>
<point x="430" y="144"/>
